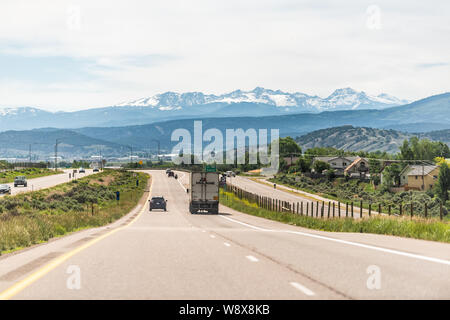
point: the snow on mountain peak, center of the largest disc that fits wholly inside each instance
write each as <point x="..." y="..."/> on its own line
<point x="340" y="99"/>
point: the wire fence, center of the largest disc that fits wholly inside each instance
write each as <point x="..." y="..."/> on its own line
<point x="331" y="209"/>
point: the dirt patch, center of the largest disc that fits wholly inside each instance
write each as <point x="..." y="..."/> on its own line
<point x="104" y="181"/>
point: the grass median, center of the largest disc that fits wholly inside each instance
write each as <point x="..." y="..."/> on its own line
<point x="402" y="227"/>
<point x="35" y="217"/>
<point x="8" y="176"/>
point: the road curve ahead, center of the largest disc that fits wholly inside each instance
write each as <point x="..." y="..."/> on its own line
<point x="176" y="255"/>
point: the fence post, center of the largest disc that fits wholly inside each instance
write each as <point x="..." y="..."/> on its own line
<point x="301" y="208"/>
<point x="339" y="209"/>
<point x="307" y="208"/>
<point x="389" y="209"/>
<point x="352" y="209"/>
<point x="298" y="209"/>
<point x="411" y="210"/>
<point x="323" y="209"/>
<point x="370" y="209"/>
<point x="346" y="209"/>
<point x="312" y="209"/>
<point x="441" y="212"/>
<point x="426" y="210"/>
<point x="401" y="208"/>
<point x="317" y="209"/>
<point x="360" y="209"/>
<point x="379" y="208"/>
<point x="333" y="208"/>
<point x="329" y="205"/>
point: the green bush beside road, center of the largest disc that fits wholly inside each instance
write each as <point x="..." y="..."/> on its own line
<point x="403" y="227"/>
<point x="35" y="217"/>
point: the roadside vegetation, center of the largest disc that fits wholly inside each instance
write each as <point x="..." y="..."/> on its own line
<point x="355" y="190"/>
<point x="35" y="217"/>
<point x="318" y="178"/>
<point x="7" y="176"/>
<point x="404" y="227"/>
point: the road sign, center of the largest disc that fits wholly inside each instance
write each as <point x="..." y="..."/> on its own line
<point x="210" y="168"/>
<point x="117" y="195"/>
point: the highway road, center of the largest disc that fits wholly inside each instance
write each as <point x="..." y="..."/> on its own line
<point x="176" y="255"/>
<point x="46" y="182"/>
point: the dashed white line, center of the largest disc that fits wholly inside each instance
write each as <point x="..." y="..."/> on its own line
<point x="212" y="236"/>
<point x="303" y="289"/>
<point x="227" y="244"/>
<point x="252" y="258"/>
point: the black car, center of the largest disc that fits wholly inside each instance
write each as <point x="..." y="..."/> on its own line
<point x="20" y="181"/>
<point x="5" y="189"/>
<point x="171" y="174"/>
<point x="158" y="203"/>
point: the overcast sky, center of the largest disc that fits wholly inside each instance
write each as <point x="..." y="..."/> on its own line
<point x="68" y="55"/>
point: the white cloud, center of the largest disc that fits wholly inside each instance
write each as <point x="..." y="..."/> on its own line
<point x="140" y="48"/>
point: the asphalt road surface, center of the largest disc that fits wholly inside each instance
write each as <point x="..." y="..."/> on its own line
<point x="47" y="181"/>
<point x="176" y="255"/>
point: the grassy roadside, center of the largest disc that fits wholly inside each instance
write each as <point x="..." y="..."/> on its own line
<point x="36" y="217"/>
<point x="29" y="173"/>
<point x="403" y="227"/>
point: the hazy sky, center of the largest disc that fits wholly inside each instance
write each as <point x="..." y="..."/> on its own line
<point x="67" y="55"/>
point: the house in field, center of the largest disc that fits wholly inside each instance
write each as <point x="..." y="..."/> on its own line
<point x="338" y="163"/>
<point x="419" y="177"/>
<point x="359" y="168"/>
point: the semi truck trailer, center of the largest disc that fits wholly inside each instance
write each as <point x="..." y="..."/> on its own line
<point x="204" y="192"/>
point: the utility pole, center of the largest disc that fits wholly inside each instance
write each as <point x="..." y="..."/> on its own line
<point x="56" y="154"/>
<point x="131" y="154"/>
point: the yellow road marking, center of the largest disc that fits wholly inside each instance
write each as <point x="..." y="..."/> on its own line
<point x="21" y="285"/>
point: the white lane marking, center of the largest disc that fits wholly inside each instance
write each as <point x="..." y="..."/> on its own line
<point x="180" y="181"/>
<point x="252" y="258"/>
<point x="203" y="230"/>
<point x="356" y="244"/>
<point x="227" y="244"/>
<point x="246" y="224"/>
<point x="212" y="236"/>
<point x="303" y="289"/>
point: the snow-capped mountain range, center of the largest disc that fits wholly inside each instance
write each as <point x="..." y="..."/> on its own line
<point x="171" y="106"/>
<point x="340" y="99"/>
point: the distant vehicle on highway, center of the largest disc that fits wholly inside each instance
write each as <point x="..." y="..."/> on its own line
<point x="204" y="192"/>
<point x="168" y="170"/>
<point x="230" y="174"/>
<point x="5" y="189"/>
<point x="96" y="170"/>
<point x="171" y="174"/>
<point x="158" y="203"/>
<point x="20" y="181"/>
<point x="223" y="180"/>
<point x="81" y="170"/>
